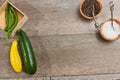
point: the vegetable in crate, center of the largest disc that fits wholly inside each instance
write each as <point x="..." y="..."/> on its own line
<point x="15" y="59"/>
<point x="29" y="61"/>
<point x="11" y="18"/>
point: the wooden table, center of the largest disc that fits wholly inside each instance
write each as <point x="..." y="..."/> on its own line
<point x="66" y="45"/>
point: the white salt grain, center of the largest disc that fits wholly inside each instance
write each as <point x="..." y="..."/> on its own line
<point x="108" y="30"/>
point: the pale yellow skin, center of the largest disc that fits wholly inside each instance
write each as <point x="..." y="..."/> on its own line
<point x="15" y="59"/>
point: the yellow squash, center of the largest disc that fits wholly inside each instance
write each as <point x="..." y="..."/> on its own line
<point x="15" y="59"/>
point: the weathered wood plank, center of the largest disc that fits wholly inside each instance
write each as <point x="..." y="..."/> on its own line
<point x="82" y="54"/>
<point x="66" y="55"/>
<point x="90" y="77"/>
<point x="43" y="64"/>
<point x="57" y="17"/>
<point x="37" y="78"/>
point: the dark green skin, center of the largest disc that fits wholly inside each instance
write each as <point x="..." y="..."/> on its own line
<point x="29" y="61"/>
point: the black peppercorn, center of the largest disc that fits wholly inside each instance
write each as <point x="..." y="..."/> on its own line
<point x="87" y="7"/>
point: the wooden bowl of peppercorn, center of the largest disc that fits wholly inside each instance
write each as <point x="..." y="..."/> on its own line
<point x="86" y="8"/>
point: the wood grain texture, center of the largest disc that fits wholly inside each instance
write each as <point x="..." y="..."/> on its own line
<point x="82" y="54"/>
<point x="90" y="77"/>
<point x="37" y="78"/>
<point x="67" y="55"/>
<point x="58" y="17"/>
<point x="75" y="48"/>
<point x="43" y="64"/>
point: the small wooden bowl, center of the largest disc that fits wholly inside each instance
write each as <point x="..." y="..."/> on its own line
<point x="87" y="17"/>
<point x="101" y="33"/>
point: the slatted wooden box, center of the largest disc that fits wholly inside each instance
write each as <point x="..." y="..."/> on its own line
<point x="22" y="18"/>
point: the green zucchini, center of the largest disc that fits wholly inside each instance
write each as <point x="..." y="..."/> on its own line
<point x="27" y="52"/>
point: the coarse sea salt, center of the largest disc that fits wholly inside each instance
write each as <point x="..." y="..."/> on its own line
<point x="108" y="30"/>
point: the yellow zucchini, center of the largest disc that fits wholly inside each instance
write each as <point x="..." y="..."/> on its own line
<point x="15" y="59"/>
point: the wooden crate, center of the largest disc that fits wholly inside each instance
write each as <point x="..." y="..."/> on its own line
<point x="22" y="18"/>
